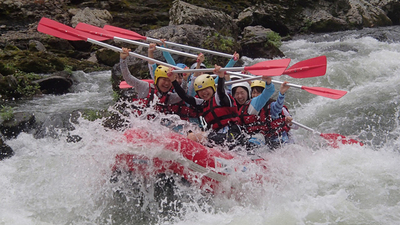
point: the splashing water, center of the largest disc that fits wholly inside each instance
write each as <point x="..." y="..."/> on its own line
<point x="52" y="181"/>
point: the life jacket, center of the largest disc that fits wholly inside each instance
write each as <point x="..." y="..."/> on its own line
<point x="180" y="108"/>
<point x="277" y="126"/>
<point x="218" y="116"/>
<point x="254" y="123"/>
<point x="141" y="104"/>
<point x="263" y="122"/>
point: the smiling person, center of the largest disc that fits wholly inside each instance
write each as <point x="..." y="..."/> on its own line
<point x="241" y="93"/>
<point x="168" y="102"/>
<point x="218" y="107"/>
<point x="199" y="65"/>
<point x="251" y="111"/>
<point x="274" y="120"/>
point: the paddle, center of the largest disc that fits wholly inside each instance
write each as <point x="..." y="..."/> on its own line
<point x="313" y="67"/>
<point x="266" y="68"/>
<point x="128" y="34"/>
<point x="124" y="85"/>
<point x="60" y="30"/>
<point x="332" y="138"/>
<point x="321" y="91"/>
<point x="101" y="33"/>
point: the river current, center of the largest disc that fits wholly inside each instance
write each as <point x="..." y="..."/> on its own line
<point x="52" y="181"/>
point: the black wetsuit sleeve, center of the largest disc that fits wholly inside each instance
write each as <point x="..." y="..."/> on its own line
<point x="182" y="94"/>
<point x="223" y="97"/>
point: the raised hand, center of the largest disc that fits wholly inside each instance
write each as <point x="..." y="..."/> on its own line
<point x="217" y="70"/>
<point x="267" y="79"/>
<point x="125" y="53"/>
<point x="172" y="76"/>
<point x="284" y="87"/>
<point x="236" y="56"/>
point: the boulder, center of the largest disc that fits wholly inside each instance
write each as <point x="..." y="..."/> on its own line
<point x="21" y="122"/>
<point x="8" y="85"/>
<point x="107" y="57"/>
<point x="5" y="150"/>
<point x="255" y="43"/>
<point x="95" y="17"/>
<point x="55" y="84"/>
<point x="36" y="46"/>
<point x="342" y="15"/>
<point x="272" y="16"/>
<point x="185" y="13"/>
<point x="317" y="16"/>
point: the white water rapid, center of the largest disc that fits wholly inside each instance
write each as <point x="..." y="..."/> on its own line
<point x="52" y="181"/>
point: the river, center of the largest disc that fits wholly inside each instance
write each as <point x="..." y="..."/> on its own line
<point x="52" y="181"/>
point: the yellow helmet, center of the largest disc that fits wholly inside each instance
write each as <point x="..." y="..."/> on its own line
<point x="161" y="71"/>
<point x="204" y="81"/>
<point x="258" y="83"/>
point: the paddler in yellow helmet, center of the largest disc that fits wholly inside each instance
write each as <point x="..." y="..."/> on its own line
<point x="218" y="107"/>
<point x="168" y="102"/>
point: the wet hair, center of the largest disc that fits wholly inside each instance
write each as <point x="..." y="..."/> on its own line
<point x="258" y="89"/>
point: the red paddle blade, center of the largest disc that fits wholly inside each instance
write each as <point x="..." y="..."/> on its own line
<point x="123" y="33"/>
<point x="335" y="139"/>
<point x="60" y="30"/>
<point x="313" y="67"/>
<point x="124" y="85"/>
<point x="325" y="92"/>
<point x="269" y="68"/>
<point x="99" y="33"/>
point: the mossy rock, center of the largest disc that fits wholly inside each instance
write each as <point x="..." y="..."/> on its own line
<point x="4" y="70"/>
<point x="107" y="57"/>
<point x="220" y="43"/>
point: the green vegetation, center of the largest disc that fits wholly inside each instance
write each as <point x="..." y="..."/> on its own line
<point x="68" y="69"/>
<point x="6" y="113"/>
<point x="25" y="86"/>
<point x="116" y="95"/>
<point x="274" y="39"/>
<point x="306" y="27"/>
<point x="222" y="43"/>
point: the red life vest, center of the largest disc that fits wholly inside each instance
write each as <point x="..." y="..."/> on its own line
<point x="254" y="123"/>
<point x="263" y="122"/>
<point x="140" y="104"/>
<point x="277" y="126"/>
<point x="179" y="108"/>
<point x="218" y="116"/>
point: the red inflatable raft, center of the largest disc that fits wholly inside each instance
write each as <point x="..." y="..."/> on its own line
<point x="199" y="165"/>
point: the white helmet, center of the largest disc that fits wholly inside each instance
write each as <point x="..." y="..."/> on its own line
<point x="244" y="85"/>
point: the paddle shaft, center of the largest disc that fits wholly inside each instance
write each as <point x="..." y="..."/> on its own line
<point x="208" y="70"/>
<point x="157" y="47"/>
<point x="251" y="77"/>
<point x="190" y="47"/>
<point x="305" y="127"/>
<point x="130" y="53"/>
